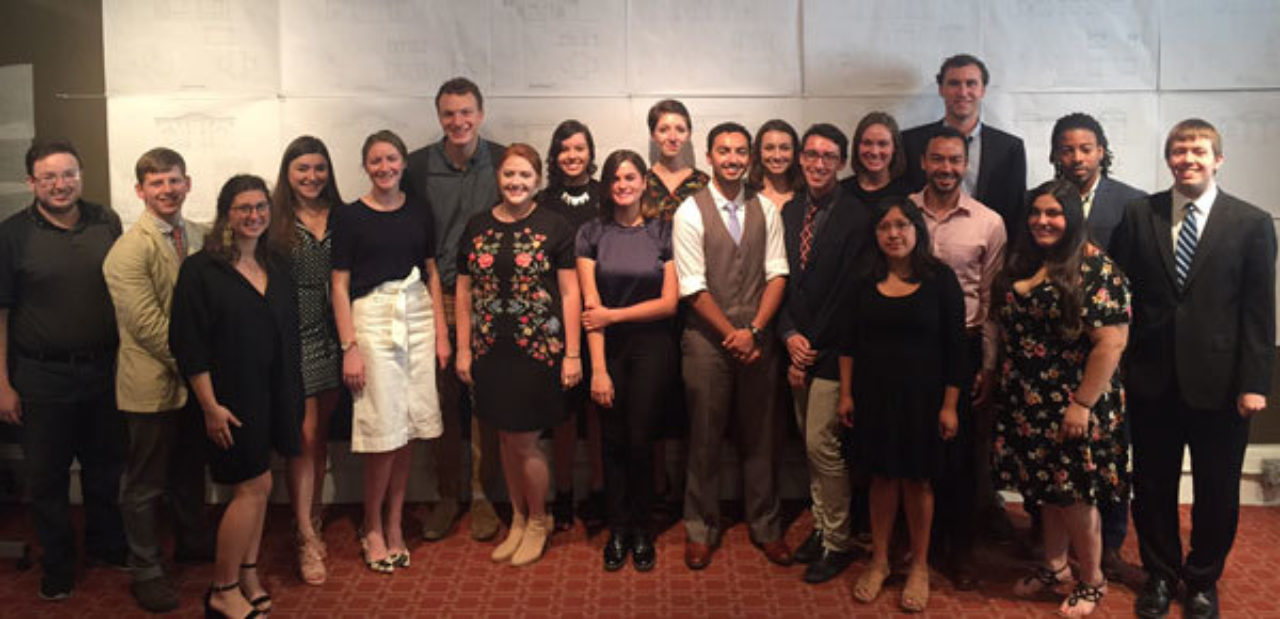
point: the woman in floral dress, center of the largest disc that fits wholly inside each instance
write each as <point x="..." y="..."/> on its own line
<point x="1063" y="310"/>
<point x="518" y="336"/>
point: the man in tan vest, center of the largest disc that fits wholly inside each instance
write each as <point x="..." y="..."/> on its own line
<point x="166" y="435"/>
<point x="732" y="266"/>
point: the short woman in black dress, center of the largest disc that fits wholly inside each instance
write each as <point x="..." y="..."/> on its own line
<point x="900" y="377"/>
<point x="305" y="194"/>
<point x="1063" y="311"/>
<point x="234" y="334"/>
<point x="630" y="294"/>
<point x="573" y="194"/>
<point x="518" y="337"/>
<point x="879" y="160"/>
<point x="775" y="162"/>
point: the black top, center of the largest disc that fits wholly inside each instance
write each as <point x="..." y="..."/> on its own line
<point x="51" y="281"/>
<point x="896" y="187"/>
<point x="630" y="260"/>
<point x="578" y="205"/>
<point x="381" y="246"/>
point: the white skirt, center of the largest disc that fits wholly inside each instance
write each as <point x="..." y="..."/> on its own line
<point x="395" y="329"/>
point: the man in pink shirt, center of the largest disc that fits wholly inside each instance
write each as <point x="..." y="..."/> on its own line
<point x="970" y="238"/>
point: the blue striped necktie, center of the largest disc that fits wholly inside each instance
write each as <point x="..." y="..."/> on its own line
<point x="1186" y="249"/>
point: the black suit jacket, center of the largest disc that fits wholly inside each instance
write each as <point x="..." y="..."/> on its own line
<point x="817" y="295"/>
<point x="1002" y="177"/>
<point x="1109" y="198"/>
<point x="1215" y="338"/>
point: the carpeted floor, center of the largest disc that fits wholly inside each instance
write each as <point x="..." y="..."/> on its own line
<point x="455" y="577"/>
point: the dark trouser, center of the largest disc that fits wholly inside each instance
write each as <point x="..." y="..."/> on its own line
<point x="461" y="430"/>
<point x="69" y="413"/>
<point x="1115" y="515"/>
<point x="721" y="391"/>
<point x="166" y="460"/>
<point x="956" y="490"/>
<point x="1217" y="440"/>
<point x="641" y="364"/>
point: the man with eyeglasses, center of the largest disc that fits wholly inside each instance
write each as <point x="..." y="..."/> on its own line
<point x="57" y="359"/>
<point x="827" y="233"/>
<point x="969" y="238"/>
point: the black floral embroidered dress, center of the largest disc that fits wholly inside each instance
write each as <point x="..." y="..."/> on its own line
<point x="517" y="328"/>
<point x="1039" y="373"/>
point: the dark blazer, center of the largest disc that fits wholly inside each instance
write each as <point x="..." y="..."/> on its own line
<point x="817" y="295"/>
<point x="1109" y="199"/>
<point x="1215" y="339"/>
<point x="1002" y="177"/>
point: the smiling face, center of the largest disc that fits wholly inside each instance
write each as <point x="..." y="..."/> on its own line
<point x="163" y="193"/>
<point x="962" y="91"/>
<point x="384" y="165"/>
<point x="308" y="175"/>
<point x="55" y="182"/>
<point x="944" y="163"/>
<point x="628" y="186"/>
<point x="895" y="234"/>
<point x="574" y="158"/>
<point x="460" y="118"/>
<point x="1193" y="163"/>
<point x="875" y="149"/>
<point x="777" y="152"/>
<point x="1046" y="221"/>
<point x="729" y="156"/>
<point x="670" y="133"/>
<point x="250" y="214"/>
<point x="820" y="161"/>
<point x="517" y="181"/>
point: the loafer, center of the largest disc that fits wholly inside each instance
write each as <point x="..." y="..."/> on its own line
<point x="484" y="521"/>
<point x="55" y="589"/>
<point x="697" y="556"/>
<point x="831" y="564"/>
<point x="1201" y="604"/>
<point x="440" y="520"/>
<point x="776" y="552"/>
<point x="643" y="553"/>
<point x="615" y="552"/>
<point x="809" y="550"/>
<point x="154" y="595"/>
<point x="1153" y="601"/>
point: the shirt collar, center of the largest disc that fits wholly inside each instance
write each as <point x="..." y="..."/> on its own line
<point x="163" y="226"/>
<point x="1203" y="203"/>
<point x="972" y="135"/>
<point x="827" y="200"/>
<point x="481" y="153"/>
<point x="44" y="222"/>
<point x="722" y="202"/>
<point x="964" y="206"/>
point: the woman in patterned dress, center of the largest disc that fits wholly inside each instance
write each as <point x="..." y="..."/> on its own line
<point x="1063" y="311"/>
<point x="518" y="314"/>
<point x="304" y="196"/>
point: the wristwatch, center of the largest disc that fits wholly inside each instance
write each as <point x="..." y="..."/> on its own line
<point x="756" y="333"/>
<point x="348" y="345"/>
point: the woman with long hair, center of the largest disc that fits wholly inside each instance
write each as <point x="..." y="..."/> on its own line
<point x="900" y="377"/>
<point x="305" y="196"/>
<point x="234" y="334"/>
<point x="518" y="337"/>
<point x="390" y="317"/>
<point x="879" y="160"/>
<point x="629" y="290"/>
<point x="775" y="162"/>
<point x="1063" y="311"/>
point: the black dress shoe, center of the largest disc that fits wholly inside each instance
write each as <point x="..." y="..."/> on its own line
<point x="1153" y="601"/>
<point x="962" y="576"/>
<point x="615" y="552"/>
<point x="643" y="554"/>
<point x="1201" y="604"/>
<point x="810" y="550"/>
<point x="828" y="566"/>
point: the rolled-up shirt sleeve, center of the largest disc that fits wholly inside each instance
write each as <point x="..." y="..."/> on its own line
<point x="775" y="249"/>
<point x="686" y="240"/>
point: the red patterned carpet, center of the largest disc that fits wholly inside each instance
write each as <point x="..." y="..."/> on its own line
<point x="455" y="577"/>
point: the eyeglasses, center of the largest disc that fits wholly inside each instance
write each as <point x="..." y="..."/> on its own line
<point x="245" y="209"/>
<point x="812" y="156"/>
<point x="49" y="180"/>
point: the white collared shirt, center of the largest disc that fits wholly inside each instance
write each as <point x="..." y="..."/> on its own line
<point x="1203" y="204"/>
<point x="687" y="242"/>
<point x="166" y="229"/>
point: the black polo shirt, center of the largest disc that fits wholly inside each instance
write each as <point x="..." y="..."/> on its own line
<point x="51" y="282"/>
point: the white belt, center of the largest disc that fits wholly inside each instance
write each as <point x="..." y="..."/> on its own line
<point x="400" y="308"/>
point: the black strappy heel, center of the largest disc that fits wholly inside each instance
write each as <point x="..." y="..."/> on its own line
<point x="212" y="613"/>
<point x="265" y="598"/>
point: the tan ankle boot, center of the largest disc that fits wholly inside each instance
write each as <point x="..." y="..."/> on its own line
<point x="533" y="542"/>
<point x="508" y="547"/>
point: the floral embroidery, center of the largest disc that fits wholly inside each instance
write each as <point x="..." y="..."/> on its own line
<point x="537" y="328"/>
<point x="485" y="303"/>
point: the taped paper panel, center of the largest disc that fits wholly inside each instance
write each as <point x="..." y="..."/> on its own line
<point x="563" y="48"/>
<point x="1226" y="44"/>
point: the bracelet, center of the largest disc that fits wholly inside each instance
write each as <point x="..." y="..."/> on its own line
<point x="349" y="345"/>
<point x="1073" y="400"/>
<point x="573" y="356"/>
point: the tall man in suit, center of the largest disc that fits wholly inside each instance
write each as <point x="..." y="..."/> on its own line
<point x="826" y="232"/>
<point x="1201" y="264"/>
<point x="997" y="172"/>
<point x="165" y="456"/>
<point x="1080" y="153"/>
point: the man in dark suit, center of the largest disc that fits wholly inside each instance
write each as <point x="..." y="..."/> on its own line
<point x="1080" y="153"/>
<point x="997" y="172"/>
<point x="826" y="232"/>
<point x="1201" y="264"/>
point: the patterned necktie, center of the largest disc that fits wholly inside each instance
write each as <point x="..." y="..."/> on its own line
<point x="806" y="234"/>
<point x="1186" y="249"/>
<point x="735" y="226"/>
<point x="178" y="244"/>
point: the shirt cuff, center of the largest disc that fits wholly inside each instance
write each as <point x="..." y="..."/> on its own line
<point x="692" y="284"/>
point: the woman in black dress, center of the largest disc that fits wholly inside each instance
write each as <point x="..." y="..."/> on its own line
<point x="304" y="196"/>
<point x="775" y="162"/>
<point x="518" y="337"/>
<point x="879" y="160"/>
<point x="573" y="194"/>
<point x="1063" y="311"/>
<point x="234" y="334"/>
<point x="900" y="377"/>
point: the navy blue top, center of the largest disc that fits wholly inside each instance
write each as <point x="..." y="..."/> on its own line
<point x="630" y="260"/>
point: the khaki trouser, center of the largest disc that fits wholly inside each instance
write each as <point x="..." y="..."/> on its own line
<point x="816" y="406"/>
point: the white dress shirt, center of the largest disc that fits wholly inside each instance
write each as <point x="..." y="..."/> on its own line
<point x="687" y="242"/>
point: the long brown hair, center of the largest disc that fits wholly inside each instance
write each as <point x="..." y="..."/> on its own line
<point x="609" y="175"/>
<point x="284" y="202"/>
<point x="220" y="242"/>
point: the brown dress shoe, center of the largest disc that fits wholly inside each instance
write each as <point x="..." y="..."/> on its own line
<point x="776" y="552"/>
<point x="696" y="555"/>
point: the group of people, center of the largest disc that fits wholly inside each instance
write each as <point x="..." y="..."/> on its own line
<point x="940" y="333"/>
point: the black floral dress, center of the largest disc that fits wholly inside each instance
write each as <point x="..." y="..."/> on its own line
<point x="1039" y="373"/>
<point x="668" y="200"/>
<point x="517" y="328"/>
